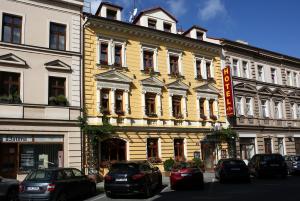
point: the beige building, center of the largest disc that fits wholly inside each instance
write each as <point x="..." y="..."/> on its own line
<point x="40" y="85"/>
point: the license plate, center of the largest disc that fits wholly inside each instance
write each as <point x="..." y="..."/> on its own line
<point x="121" y="179"/>
<point x="33" y="188"/>
<point x="274" y="165"/>
<point x="186" y="175"/>
<point x="235" y="169"/>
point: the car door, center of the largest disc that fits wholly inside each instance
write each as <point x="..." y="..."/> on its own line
<point x="81" y="182"/>
<point x="251" y="164"/>
<point x="145" y="168"/>
<point x="70" y="184"/>
<point x="156" y="174"/>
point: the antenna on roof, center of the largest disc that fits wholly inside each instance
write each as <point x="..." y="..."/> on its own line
<point x="133" y="13"/>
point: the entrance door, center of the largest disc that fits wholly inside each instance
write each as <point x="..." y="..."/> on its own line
<point x="8" y="160"/>
<point x="208" y="155"/>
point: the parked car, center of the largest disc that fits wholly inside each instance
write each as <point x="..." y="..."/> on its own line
<point x="293" y="164"/>
<point x="186" y="175"/>
<point x="8" y="189"/>
<point x="131" y="178"/>
<point x="267" y="165"/>
<point x="232" y="170"/>
<point x="57" y="184"/>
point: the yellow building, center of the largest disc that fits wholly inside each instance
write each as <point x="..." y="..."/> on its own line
<point x="161" y="89"/>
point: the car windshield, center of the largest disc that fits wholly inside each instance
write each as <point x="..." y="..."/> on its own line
<point x="272" y="158"/>
<point x="39" y="175"/>
<point x="234" y="163"/>
<point x="124" y="167"/>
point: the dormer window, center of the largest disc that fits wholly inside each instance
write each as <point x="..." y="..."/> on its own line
<point x="199" y="36"/>
<point x="167" y="27"/>
<point x="111" y="14"/>
<point x="152" y="23"/>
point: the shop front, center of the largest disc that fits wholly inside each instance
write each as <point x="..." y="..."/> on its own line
<point x="22" y="153"/>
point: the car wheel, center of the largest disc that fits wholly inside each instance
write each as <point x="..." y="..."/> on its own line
<point x="12" y="195"/>
<point x="93" y="190"/>
<point x="109" y="195"/>
<point x="61" y="197"/>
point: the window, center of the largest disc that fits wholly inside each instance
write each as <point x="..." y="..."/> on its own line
<point x="150" y="104"/>
<point x="11" y="28"/>
<point x="152" y="23"/>
<point x="198" y="69"/>
<point x="239" y="106"/>
<point x="77" y="173"/>
<point x="199" y="35"/>
<point x="176" y="104"/>
<point x="268" y="145"/>
<point x="298" y="111"/>
<point x="105" y="101"/>
<point x="9" y="87"/>
<point x="119" y="102"/>
<point x="57" y="91"/>
<point x="280" y="146"/>
<point x="174" y="69"/>
<point x="118" y="55"/>
<point x="293" y="111"/>
<point x="111" y="14"/>
<point x="104" y="53"/>
<point x="148" y="61"/>
<point x="245" y="69"/>
<point x="113" y="149"/>
<point x="208" y="70"/>
<point x="178" y="149"/>
<point x="167" y="27"/>
<point x="260" y="72"/>
<point x="152" y="148"/>
<point x="249" y="111"/>
<point x="295" y="79"/>
<point x="264" y="108"/>
<point x="289" y="78"/>
<point x="211" y="108"/>
<point x="201" y="102"/>
<point x="273" y="76"/>
<point x="57" y="36"/>
<point x="277" y="113"/>
<point x="235" y="67"/>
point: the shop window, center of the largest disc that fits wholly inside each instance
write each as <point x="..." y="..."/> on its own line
<point x="113" y="150"/>
<point x="11" y="28"/>
<point x="104" y="53"/>
<point x="176" y="106"/>
<point x="34" y="156"/>
<point x="174" y="68"/>
<point x="9" y="87"/>
<point x="179" y="149"/>
<point x="57" y="36"/>
<point x="148" y="61"/>
<point x="152" y="148"/>
<point x="118" y="55"/>
<point x="119" y="102"/>
<point x="57" y="91"/>
<point x="105" y="101"/>
<point x="150" y="104"/>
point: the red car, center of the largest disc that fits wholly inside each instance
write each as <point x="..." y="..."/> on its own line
<point x="186" y="175"/>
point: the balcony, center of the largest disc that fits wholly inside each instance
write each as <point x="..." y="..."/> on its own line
<point x="38" y="112"/>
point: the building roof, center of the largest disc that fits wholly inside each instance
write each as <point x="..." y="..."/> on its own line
<point x="107" y="4"/>
<point x="150" y="10"/>
<point x="194" y="27"/>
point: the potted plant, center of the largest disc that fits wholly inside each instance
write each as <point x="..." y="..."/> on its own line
<point x="62" y="100"/>
<point x="4" y="99"/>
<point x="168" y="164"/>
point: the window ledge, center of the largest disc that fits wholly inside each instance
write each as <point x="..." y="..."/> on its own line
<point x="106" y="66"/>
<point x="177" y="76"/>
<point x="146" y="72"/>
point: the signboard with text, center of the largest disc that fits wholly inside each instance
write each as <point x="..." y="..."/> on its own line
<point x="228" y="91"/>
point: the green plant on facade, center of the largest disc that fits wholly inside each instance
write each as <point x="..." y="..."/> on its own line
<point x="58" y="100"/>
<point x="168" y="164"/>
<point x="225" y="135"/>
<point x="95" y="134"/>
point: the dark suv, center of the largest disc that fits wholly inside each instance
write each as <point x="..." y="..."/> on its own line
<point x="132" y="177"/>
<point x="268" y="165"/>
<point x="58" y="184"/>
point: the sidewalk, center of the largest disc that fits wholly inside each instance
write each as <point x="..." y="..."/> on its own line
<point x="208" y="177"/>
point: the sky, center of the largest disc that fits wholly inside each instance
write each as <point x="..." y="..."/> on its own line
<point x="267" y="24"/>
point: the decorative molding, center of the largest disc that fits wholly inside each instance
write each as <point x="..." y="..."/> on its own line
<point x="113" y="76"/>
<point x="12" y="59"/>
<point x="57" y="65"/>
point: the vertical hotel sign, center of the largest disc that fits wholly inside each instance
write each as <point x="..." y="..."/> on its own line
<point x="228" y="91"/>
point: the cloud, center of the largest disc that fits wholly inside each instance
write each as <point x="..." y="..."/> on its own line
<point x="211" y="9"/>
<point x="94" y="5"/>
<point x="177" y="7"/>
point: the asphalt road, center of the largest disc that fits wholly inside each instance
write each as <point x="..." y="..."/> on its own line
<point x="258" y="190"/>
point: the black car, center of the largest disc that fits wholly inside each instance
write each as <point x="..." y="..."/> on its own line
<point x="57" y="184"/>
<point x="8" y="189"/>
<point x="132" y="177"/>
<point x="232" y="170"/>
<point x="268" y="165"/>
<point x="293" y="164"/>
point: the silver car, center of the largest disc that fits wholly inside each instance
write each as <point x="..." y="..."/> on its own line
<point x="9" y="189"/>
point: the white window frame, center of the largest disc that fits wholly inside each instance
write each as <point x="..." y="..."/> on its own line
<point x="247" y="69"/>
<point x="201" y="66"/>
<point x="289" y="78"/>
<point x="67" y="33"/>
<point x="277" y="105"/>
<point x="294" y="79"/>
<point x="241" y="105"/>
<point x="250" y="113"/>
<point x="155" y="56"/>
<point x="237" y="66"/>
<point x="123" y="52"/>
<point x="262" y="74"/>
<point x="67" y="84"/>
<point x="275" y="75"/>
<point x="266" y="106"/>
<point x="179" y="55"/>
<point x="211" y="68"/>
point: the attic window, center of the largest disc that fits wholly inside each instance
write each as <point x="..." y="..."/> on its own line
<point x="111" y="14"/>
<point x="152" y="23"/>
<point x="167" y="27"/>
<point x="199" y="35"/>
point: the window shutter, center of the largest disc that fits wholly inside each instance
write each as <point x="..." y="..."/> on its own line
<point x="124" y="55"/>
<point x="142" y="59"/>
<point x="203" y="69"/>
<point x="212" y="70"/>
<point x="168" y="63"/>
<point x="155" y="60"/>
<point x="180" y="66"/>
